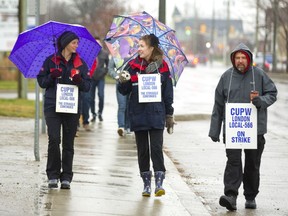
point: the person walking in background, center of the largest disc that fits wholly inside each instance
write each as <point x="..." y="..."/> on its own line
<point x="148" y="119"/>
<point x="85" y="99"/>
<point x="235" y="86"/>
<point x="98" y="73"/>
<point x="65" y="67"/>
<point x="122" y="100"/>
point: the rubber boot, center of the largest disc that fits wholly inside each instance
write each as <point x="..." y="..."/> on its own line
<point x="146" y="176"/>
<point x="159" y="177"/>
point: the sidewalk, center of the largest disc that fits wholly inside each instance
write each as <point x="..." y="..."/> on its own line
<point x="107" y="181"/>
<point x="106" y="175"/>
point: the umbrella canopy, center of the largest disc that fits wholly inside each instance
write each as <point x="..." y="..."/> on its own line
<point x="125" y="32"/>
<point x="35" y="45"/>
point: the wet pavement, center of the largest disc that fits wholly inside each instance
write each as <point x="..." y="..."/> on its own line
<point x="106" y="176"/>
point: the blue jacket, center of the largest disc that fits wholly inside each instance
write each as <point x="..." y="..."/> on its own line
<point x="46" y="81"/>
<point x="147" y="116"/>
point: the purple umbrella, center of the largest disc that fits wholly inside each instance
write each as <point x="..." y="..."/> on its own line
<point x="35" y="45"/>
<point x="126" y="30"/>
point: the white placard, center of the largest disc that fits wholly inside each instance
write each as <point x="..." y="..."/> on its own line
<point x="67" y="98"/>
<point x="149" y="88"/>
<point x="241" y="126"/>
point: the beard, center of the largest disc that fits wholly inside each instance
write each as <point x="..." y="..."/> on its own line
<point x="241" y="68"/>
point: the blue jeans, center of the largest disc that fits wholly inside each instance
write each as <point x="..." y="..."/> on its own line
<point x="122" y="115"/>
<point x="100" y="84"/>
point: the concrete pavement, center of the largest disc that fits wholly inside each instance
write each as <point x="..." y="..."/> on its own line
<point x="106" y="175"/>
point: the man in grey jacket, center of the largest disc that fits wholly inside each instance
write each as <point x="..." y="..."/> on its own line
<point x="235" y="86"/>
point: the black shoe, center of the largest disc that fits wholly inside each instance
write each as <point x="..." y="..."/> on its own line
<point x="65" y="184"/>
<point x="250" y="204"/>
<point x="94" y="118"/>
<point x="229" y="202"/>
<point x="100" y="118"/>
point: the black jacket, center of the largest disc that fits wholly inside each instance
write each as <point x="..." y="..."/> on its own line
<point x="45" y="81"/>
<point x="147" y="116"/>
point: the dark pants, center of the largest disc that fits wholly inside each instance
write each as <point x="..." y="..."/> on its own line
<point x="155" y="137"/>
<point x="85" y="107"/>
<point x="100" y="84"/>
<point x="69" y="124"/>
<point x="234" y="174"/>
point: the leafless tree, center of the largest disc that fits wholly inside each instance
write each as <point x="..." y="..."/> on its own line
<point x="97" y="15"/>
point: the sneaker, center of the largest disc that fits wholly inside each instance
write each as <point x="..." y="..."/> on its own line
<point x="250" y="204"/>
<point x="65" y="184"/>
<point x="128" y="132"/>
<point x="86" y="127"/>
<point x="120" y="131"/>
<point x="77" y="134"/>
<point x="100" y="117"/>
<point x="53" y="183"/>
<point x="229" y="202"/>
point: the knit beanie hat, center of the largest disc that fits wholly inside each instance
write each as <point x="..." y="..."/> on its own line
<point x="65" y="38"/>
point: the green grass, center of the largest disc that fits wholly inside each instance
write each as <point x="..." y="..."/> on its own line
<point x="23" y="107"/>
<point x="17" y="108"/>
<point x="13" y="85"/>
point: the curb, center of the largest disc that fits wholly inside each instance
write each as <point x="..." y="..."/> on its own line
<point x="192" y="117"/>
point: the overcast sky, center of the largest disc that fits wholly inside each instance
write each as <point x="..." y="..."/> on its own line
<point x="243" y="9"/>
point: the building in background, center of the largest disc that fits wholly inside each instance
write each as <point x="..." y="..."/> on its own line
<point x="196" y="34"/>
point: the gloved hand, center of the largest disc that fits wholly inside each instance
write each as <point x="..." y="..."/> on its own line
<point x="55" y="74"/>
<point x="77" y="79"/>
<point x="124" y="76"/>
<point x="256" y="101"/>
<point x="215" y="139"/>
<point x="170" y="123"/>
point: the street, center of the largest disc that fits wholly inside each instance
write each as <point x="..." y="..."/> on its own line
<point x="201" y="162"/>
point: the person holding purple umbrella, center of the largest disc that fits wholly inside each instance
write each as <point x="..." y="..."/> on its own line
<point x="148" y="81"/>
<point x="65" y="71"/>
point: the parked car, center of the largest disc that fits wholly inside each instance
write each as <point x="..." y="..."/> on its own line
<point x="259" y="62"/>
<point x="192" y="60"/>
<point x="202" y="59"/>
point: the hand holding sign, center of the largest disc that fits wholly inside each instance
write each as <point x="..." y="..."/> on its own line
<point x="77" y="79"/>
<point x="55" y="74"/>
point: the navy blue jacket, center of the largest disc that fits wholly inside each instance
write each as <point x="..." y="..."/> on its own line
<point x="147" y="116"/>
<point x="46" y="81"/>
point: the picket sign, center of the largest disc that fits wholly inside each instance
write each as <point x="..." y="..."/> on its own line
<point x="149" y="88"/>
<point x="67" y="98"/>
<point x="241" y="126"/>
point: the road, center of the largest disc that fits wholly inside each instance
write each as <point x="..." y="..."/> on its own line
<point x="202" y="162"/>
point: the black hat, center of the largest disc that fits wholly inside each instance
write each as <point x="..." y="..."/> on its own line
<point x="154" y="40"/>
<point x="65" y="38"/>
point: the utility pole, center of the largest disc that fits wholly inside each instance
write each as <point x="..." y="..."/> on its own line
<point x="227" y="32"/>
<point x="211" y="50"/>
<point x="257" y="27"/>
<point x="22" y="17"/>
<point x="275" y="26"/>
<point x="195" y="30"/>
<point x="37" y="97"/>
<point x="162" y="11"/>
